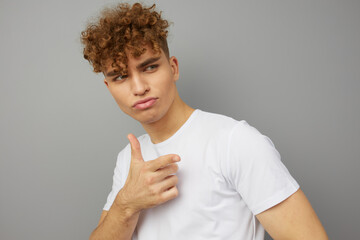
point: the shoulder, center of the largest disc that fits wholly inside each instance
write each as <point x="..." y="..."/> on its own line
<point x="245" y="137"/>
<point x="228" y="128"/>
<point x="215" y="122"/>
<point x="214" y="117"/>
<point x="242" y="130"/>
<point x="247" y="147"/>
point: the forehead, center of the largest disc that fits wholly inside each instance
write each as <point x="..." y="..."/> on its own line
<point x="132" y="61"/>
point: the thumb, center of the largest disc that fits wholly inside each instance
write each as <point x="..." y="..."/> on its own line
<point x="135" y="147"/>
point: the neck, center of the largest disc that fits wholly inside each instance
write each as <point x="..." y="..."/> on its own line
<point x="175" y="117"/>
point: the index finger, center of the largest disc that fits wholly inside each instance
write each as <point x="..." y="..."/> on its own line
<point x="163" y="161"/>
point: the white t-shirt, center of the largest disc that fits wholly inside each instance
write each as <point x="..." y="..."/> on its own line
<point x="228" y="173"/>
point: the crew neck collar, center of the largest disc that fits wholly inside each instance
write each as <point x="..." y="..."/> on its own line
<point x="178" y="132"/>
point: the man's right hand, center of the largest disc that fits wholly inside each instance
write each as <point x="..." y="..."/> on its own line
<point x="148" y="183"/>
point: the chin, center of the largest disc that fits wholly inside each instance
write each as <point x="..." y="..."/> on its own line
<point x="151" y="119"/>
<point x="146" y="116"/>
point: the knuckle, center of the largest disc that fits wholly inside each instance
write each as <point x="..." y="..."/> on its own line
<point x="153" y="191"/>
<point x="167" y="159"/>
<point x="149" y="180"/>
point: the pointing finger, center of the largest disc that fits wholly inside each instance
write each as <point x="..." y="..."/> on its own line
<point x="163" y="161"/>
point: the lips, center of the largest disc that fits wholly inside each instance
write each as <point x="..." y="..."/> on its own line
<point x="145" y="103"/>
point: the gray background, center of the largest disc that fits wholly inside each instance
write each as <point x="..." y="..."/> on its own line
<point x="289" y="68"/>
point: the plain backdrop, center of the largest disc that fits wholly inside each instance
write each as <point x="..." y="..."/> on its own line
<point x="289" y="68"/>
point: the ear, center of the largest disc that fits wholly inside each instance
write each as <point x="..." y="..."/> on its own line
<point x="106" y="83"/>
<point x="174" y="67"/>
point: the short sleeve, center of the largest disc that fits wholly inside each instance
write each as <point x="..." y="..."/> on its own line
<point x="255" y="170"/>
<point x="119" y="177"/>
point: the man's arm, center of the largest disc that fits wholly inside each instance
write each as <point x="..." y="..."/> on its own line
<point x="117" y="223"/>
<point x="294" y="218"/>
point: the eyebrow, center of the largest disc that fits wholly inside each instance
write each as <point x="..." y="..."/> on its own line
<point x="112" y="73"/>
<point x="147" y="62"/>
<point x="141" y="65"/>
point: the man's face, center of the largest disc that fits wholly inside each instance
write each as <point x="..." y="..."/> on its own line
<point x="150" y="78"/>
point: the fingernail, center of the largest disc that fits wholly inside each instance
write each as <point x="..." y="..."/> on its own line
<point x="176" y="158"/>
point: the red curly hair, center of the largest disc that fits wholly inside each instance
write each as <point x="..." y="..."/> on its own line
<point x="123" y="28"/>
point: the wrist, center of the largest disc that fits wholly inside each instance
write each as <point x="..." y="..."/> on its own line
<point x="125" y="205"/>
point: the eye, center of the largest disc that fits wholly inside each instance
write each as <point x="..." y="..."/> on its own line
<point x="151" y="67"/>
<point x="120" y="77"/>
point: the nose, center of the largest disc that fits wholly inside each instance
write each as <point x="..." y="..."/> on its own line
<point x="139" y="85"/>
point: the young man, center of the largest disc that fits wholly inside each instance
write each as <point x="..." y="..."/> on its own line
<point x="194" y="175"/>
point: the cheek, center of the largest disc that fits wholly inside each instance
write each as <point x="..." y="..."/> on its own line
<point x="118" y="95"/>
<point x="167" y="84"/>
<point x="166" y="89"/>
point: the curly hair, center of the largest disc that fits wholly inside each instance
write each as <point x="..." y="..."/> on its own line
<point x="122" y="28"/>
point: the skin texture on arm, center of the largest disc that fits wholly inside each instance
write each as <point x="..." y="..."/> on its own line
<point x="293" y="218"/>
<point x="102" y="216"/>
<point x="115" y="224"/>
